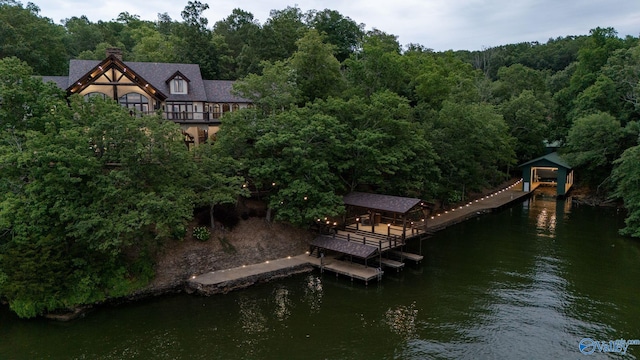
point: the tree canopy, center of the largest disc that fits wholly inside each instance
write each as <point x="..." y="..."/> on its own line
<point x="88" y="192"/>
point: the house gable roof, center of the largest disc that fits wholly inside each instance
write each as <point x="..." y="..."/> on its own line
<point x="175" y="75"/>
<point x="157" y="75"/>
<point x="85" y="79"/>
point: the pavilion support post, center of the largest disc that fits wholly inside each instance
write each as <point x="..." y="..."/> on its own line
<point x="404" y="226"/>
<point x="372" y="220"/>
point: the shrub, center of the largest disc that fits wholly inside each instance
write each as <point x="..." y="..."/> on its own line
<point x="201" y="233"/>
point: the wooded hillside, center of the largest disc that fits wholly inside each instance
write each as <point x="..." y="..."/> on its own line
<point x="87" y="191"/>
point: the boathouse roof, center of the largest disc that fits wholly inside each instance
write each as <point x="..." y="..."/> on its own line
<point x="346" y="247"/>
<point x="553" y="158"/>
<point x="396" y="204"/>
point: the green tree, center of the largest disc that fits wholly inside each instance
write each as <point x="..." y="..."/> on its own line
<point x="293" y="162"/>
<point x="344" y="33"/>
<point x="152" y="46"/>
<point x="25" y="100"/>
<point x="33" y="39"/>
<point x="216" y="180"/>
<point x="526" y="118"/>
<point x="194" y="41"/>
<point x="593" y="143"/>
<point x="380" y="147"/>
<point x="474" y="147"/>
<point x="273" y="91"/>
<point x="279" y="34"/>
<point x="317" y="70"/>
<point x="82" y="35"/>
<point x="441" y="77"/>
<point x="86" y="192"/>
<point x="377" y="66"/>
<point x="517" y="78"/>
<point x="239" y="32"/>
<point x="626" y="177"/>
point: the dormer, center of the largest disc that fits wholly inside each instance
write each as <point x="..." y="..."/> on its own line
<point x="178" y="84"/>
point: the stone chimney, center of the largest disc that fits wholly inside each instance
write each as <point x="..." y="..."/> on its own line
<point x="117" y="52"/>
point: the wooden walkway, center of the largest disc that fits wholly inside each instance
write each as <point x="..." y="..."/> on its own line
<point x="387" y="238"/>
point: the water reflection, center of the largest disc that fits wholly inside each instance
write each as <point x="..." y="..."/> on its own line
<point x="283" y="303"/>
<point x="313" y="292"/>
<point x="252" y="320"/>
<point x="547" y="211"/>
<point x="546" y="223"/>
<point x="402" y="320"/>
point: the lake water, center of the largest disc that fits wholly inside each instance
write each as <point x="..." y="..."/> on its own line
<point x="528" y="282"/>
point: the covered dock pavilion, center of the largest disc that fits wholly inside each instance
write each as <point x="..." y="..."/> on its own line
<point x="386" y="215"/>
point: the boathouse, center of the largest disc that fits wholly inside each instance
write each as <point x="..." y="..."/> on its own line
<point x="547" y="170"/>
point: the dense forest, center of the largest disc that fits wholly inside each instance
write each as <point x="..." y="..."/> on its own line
<point x="88" y="194"/>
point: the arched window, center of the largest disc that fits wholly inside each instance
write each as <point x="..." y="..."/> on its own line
<point x="225" y="108"/>
<point x="95" y="95"/>
<point x="216" y="111"/>
<point x="235" y="107"/>
<point x="135" y="101"/>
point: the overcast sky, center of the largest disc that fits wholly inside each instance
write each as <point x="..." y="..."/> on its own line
<point x="437" y="24"/>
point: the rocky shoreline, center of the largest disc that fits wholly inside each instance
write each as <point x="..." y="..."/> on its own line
<point x="253" y="241"/>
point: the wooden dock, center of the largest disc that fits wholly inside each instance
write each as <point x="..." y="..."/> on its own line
<point x="350" y="269"/>
<point x="384" y="262"/>
<point x="405" y="255"/>
<point x="384" y="240"/>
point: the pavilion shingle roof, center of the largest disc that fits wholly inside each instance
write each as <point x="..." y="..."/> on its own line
<point x="346" y="247"/>
<point x="396" y="204"/>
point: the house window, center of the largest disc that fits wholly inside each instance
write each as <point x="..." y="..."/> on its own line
<point x="216" y="111"/>
<point x="179" y="110"/>
<point x="235" y="107"/>
<point x="178" y="85"/>
<point x="136" y="102"/>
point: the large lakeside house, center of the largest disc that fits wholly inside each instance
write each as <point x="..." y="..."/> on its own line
<point x="177" y="91"/>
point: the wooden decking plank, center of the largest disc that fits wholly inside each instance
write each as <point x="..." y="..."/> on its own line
<point x="391" y="263"/>
<point x="406" y="255"/>
<point x="353" y="270"/>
